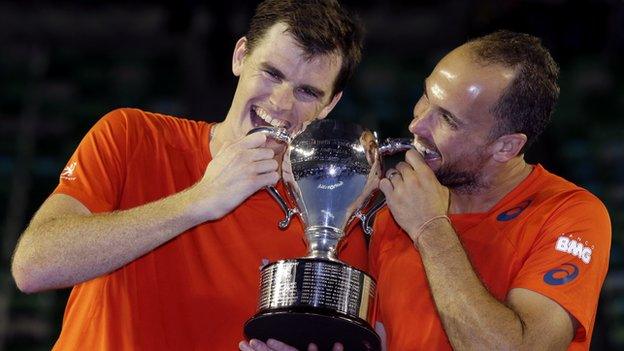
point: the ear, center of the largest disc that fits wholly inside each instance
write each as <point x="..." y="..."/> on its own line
<point x="508" y="146"/>
<point x="240" y="50"/>
<point x="327" y="109"/>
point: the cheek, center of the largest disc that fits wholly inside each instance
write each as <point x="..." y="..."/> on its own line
<point x="255" y="84"/>
<point x="452" y="146"/>
<point x="307" y="111"/>
<point x="466" y="154"/>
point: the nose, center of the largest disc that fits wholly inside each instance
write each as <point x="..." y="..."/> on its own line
<point x="282" y="97"/>
<point x="421" y="122"/>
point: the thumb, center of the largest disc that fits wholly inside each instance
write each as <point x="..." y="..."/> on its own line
<point x="253" y="140"/>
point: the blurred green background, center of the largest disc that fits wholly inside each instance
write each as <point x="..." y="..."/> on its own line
<point x="63" y="64"/>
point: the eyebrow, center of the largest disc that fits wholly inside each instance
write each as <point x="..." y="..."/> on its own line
<point x="268" y="67"/>
<point x="439" y="108"/>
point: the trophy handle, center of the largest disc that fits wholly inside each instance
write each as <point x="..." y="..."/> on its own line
<point x="279" y="134"/>
<point x="389" y="147"/>
<point x="289" y="212"/>
<point x="366" y="218"/>
<point x="393" y="145"/>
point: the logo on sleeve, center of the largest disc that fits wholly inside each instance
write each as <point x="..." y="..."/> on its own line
<point x="68" y="171"/>
<point x="513" y="212"/>
<point x="576" y="248"/>
<point x="564" y="274"/>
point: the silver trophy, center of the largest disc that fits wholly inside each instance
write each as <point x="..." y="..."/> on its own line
<point x="331" y="170"/>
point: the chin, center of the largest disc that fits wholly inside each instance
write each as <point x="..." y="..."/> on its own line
<point x="435" y="164"/>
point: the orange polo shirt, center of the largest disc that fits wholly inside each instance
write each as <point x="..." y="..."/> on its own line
<point x="196" y="291"/>
<point x="547" y="235"/>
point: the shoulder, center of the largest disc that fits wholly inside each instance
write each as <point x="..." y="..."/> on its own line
<point x="560" y="194"/>
<point x="154" y="127"/>
<point x="134" y="117"/>
<point x="562" y="209"/>
<point x="553" y="193"/>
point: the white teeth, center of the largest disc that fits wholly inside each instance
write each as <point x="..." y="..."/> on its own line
<point x="267" y="118"/>
<point x="425" y="151"/>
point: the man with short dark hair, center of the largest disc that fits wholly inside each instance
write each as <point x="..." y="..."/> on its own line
<point x="479" y="249"/>
<point x="160" y="223"/>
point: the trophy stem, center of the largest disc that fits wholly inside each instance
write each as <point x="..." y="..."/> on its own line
<point x="323" y="241"/>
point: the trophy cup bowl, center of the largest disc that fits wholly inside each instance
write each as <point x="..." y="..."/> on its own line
<point x="331" y="170"/>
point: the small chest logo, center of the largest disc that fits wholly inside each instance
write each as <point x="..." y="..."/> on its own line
<point x="513" y="212"/>
<point x="68" y="171"/>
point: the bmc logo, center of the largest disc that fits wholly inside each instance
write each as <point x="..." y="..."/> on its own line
<point x="574" y="248"/>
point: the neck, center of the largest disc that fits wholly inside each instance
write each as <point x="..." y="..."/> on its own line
<point x="498" y="184"/>
<point x="225" y="132"/>
<point x="220" y="135"/>
<point x="213" y="144"/>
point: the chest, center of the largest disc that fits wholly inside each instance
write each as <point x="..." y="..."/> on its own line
<point x="163" y="171"/>
<point x="495" y="250"/>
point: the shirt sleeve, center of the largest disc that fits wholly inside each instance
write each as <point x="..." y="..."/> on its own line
<point x="569" y="259"/>
<point x="95" y="173"/>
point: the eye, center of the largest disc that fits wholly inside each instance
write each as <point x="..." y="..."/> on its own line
<point x="310" y="92"/>
<point x="450" y="121"/>
<point x="272" y="75"/>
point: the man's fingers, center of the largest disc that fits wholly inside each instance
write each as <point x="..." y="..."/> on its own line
<point x="258" y="345"/>
<point x="269" y="178"/>
<point x="386" y="187"/>
<point x="253" y="140"/>
<point x="244" y="346"/>
<point x="276" y="345"/>
<point x="414" y="158"/>
<point x="381" y="331"/>
<point x="265" y="166"/>
<point x="404" y="168"/>
<point x="392" y="172"/>
<point x="261" y="153"/>
<point x="279" y="346"/>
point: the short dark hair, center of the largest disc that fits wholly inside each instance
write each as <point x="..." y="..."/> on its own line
<point x="527" y="103"/>
<point x="319" y="26"/>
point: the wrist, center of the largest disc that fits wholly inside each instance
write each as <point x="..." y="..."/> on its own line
<point x="431" y="225"/>
<point x="198" y="204"/>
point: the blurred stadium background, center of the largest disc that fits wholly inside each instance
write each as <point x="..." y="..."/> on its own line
<point x="63" y="64"/>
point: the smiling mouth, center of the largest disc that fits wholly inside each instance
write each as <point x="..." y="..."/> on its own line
<point x="261" y="118"/>
<point x="428" y="153"/>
